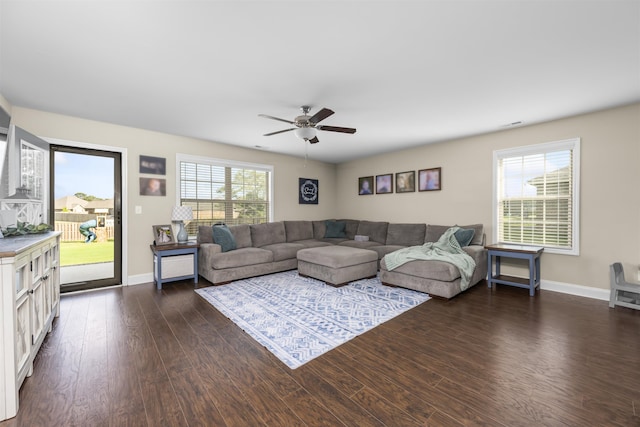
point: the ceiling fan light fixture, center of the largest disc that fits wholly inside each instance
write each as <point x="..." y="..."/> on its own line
<point x="305" y="133"/>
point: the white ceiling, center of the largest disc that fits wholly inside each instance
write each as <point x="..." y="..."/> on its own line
<point x="404" y="73"/>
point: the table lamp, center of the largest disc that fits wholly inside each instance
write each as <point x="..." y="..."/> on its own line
<point x="180" y="215"/>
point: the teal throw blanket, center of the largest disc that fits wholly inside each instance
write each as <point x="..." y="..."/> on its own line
<point x="445" y="249"/>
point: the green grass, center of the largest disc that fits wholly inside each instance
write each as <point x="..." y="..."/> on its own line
<point x="76" y="253"/>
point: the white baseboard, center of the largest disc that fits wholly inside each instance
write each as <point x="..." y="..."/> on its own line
<point x="139" y="279"/>
<point x="579" y="290"/>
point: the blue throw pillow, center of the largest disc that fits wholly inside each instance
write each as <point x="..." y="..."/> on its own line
<point x="222" y="236"/>
<point x="464" y="236"/>
<point x="335" y="229"/>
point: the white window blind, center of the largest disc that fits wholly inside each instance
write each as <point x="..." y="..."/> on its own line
<point x="536" y="196"/>
<point x="220" y="191"/>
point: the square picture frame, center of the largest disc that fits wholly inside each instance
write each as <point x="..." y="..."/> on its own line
<point x="384" y="184"/>
<point x="430" y="179"/>
<point x="406" y="182"/>
<point x="365" y="185"/>
<point x="163" y="235"/>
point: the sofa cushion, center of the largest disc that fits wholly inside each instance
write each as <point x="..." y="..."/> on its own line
<point x="298" y="230"/>
<point x="435" y="231"/>
<point x="464" y="236"/>
<point x="351" y="227"/>
<point x="427" y="269"/>
<point x="223" y="237"/>
<point x="377" y="231"/>
<point x="333" y="240"/>
<point x="204" y="234"/>
<point x="335" y="229"/>
<point x="359" y="244"/>
<point x="241" y="257"/>
<point x="313" y="243"/>
<point x="267" y="233"/>
<point x="406" y="234"/>
<point x="382" y="250"/>
<point x="282" y="251"/>
<point x="242" y="234"/>
<point x="319" y="229"/>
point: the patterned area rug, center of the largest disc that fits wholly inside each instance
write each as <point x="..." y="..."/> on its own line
<point x="299" y="318"/>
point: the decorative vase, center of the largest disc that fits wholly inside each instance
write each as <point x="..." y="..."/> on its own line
<point x="182" y="234"/>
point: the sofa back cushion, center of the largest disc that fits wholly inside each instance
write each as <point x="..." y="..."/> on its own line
<point x="319" y="229"/>
<point x="242" y="234"/>
<point x="406" y="234"/>
<point x="351" y="227"/>
<point x="377" y="231"/>
<point x="204" y="234"/>
<point x="298" y="230"/>
<point x="435" y="231"/>
<point x="268" y="233"/>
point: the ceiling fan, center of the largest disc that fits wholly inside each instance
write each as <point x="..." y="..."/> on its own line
<point x="306" y="126"/>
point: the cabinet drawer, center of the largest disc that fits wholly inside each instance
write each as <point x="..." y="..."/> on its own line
<point x="175" y="266"/>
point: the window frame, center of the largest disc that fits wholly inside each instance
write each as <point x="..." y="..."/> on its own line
<point x="225" y="163"/>
<point x="547" y="147"/>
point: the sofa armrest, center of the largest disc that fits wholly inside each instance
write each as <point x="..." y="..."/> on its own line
<point x="206" y="253"/>
<point x="474" y="251"/>
<point x="479" y="255"/>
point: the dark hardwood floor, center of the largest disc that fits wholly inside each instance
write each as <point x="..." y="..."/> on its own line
<point x="139" y="357"/>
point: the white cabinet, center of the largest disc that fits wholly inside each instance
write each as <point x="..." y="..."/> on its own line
<point x="29" y="301"/>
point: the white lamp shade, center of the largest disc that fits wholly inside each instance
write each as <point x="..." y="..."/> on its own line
<point x="305" y="133"/>
<point x="182" y="213"/>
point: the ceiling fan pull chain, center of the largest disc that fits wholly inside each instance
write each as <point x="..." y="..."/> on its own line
<point x="306" y="152"/>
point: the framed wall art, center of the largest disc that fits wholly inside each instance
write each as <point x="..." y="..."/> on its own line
<point x="153" y="186"/>
<point x="406" y="182"/>
<point x="153" y="165"/>
<point x="384" y="184"/>
<point x="430" y="179"/>
<point x="365" y="185"/>
<point x="307" y="191"/>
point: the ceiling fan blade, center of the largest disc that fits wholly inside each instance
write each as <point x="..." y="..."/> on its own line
<point x="280" y="131"/>
<point x="276" y="118"/>
<point x="314" y="140"/>
<point x="336" y="129"/>
<point x="320" y="116"/>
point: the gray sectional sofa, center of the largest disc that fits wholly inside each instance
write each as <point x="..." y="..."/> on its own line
<point x="272" y="247"/>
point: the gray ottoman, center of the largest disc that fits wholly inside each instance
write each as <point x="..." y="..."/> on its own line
<point x="337" y="265"/>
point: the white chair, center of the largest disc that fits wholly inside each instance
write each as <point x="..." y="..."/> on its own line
<point x="623" y="293"/>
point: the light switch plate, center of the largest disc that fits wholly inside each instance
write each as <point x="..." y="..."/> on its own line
<point x="138" y="209"/>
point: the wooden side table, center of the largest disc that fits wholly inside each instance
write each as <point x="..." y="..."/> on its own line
<point x="530" y="253"/>
<point x="176" y="261"/>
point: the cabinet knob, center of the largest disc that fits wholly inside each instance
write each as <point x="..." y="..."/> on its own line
<point x="31" y="291"/>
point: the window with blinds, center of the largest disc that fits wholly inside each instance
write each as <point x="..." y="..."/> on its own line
<point x="227" y="192"/>
<point x="536" y="196"/>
